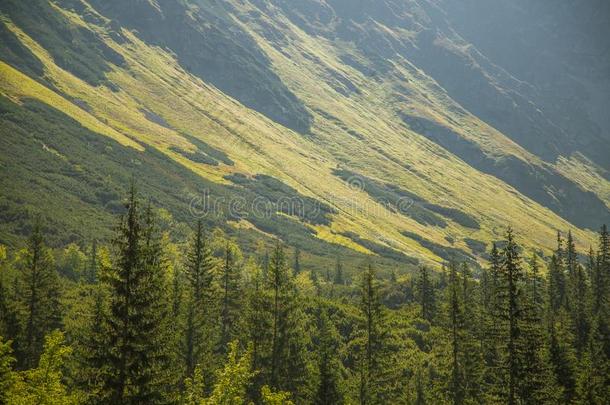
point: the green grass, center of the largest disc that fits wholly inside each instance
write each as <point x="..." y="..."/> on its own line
<point x="356" y="128"/>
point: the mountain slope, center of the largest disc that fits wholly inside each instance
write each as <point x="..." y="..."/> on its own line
<point x="370" y="128"/>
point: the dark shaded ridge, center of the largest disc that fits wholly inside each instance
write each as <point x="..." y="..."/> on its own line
<point x="196" y="157"/>
<point x="73" y="48"/>
<point x="406" y="203"/>
<point x="478" y="247"/>
<point x="381" y="250"/>
<point x="271" y="195"/>
<point x="17" y="55"/>
<point x="215" y="50"/>
<point x="541" y="184"/>
<point x="446" y="253"/>
<point x="209" y="150"/>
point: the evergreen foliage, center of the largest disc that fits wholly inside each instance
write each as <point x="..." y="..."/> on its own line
<point x="147" y="323"/>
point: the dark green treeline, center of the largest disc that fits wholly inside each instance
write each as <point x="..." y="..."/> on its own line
<point x="142" y="319"/>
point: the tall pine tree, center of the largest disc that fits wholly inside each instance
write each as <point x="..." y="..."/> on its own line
<point x="330" y="386"/>
<point x="198" y="270"/>
<point x="231" y="297"/>
<point x="373" y="366"/>
<point x="136" y="363"/>
<point x="38" y="296"/>
<point x="426" y="294"/>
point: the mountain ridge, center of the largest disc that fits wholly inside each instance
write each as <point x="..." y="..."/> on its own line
<point x="374" y="107"/>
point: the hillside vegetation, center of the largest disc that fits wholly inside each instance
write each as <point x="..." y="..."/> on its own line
<point x="382" y="116"/>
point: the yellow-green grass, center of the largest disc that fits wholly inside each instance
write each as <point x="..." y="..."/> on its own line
<point x="153" y="80"/>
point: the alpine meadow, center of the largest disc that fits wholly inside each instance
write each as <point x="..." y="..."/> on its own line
<point x="294" y="202"/>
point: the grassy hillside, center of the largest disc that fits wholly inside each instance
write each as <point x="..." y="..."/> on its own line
<point x="239" y="100"/>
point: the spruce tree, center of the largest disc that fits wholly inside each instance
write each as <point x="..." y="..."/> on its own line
<point x="91" y="350"/>
<point x="580" y="309"/>
<point x="426" y="294"/>
<point x="297" y="261"/>
<point x="137" y="362"/>
<point x="373" y="365"/>
<point x="558" y="283"/>
<point x="493" y="326"/>
<point x="601" y="289"/>
<point x="38" y="297"/>
<point x="562" y="357"/>
<point x="538" y="383"/>
<point x="329" y="390"/>
<point x="456" y="326"/>
<point x="592" y="385"/>
<point x="557" y="289"/>
<point x="231" y="297"/>
<point x="570" y="255"/>
<point x="258" y="322"/>
<point x="471" y="348"/>
<point x="461" y="325"/>
<point x="512" y="273"/>
<point x="339" y="278"/>
<point x="9" y="322"/>
<point x="591" y="263"/>
<point x="288" y="363"/>
<point x="198" y="269"/>
<point x="92" y="265"/>
<point x="602" y="272"/>
<point x="7" y="375"/>
<point x="536" y="288"/>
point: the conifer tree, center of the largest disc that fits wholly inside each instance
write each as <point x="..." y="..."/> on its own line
<point x="7" y="375"/>
<point x="198" y="269"/>
<point x="91" y="350"/>
<point x="461" y="325"/>
<point x="177" y="292"/>
<point x="513" y="276"/>
<point x="329" y="389"/>
<point x="558" y="284"/>
<point x="471" y="327"/>
<point x="493" y="325"/>
<point x="339" y="278"/>
<point x="297" y="261"/>
<point x="9" y="322"/>
<point x="591" y="263"/>
<point x="420" y="395"/>
<point x="426" y="294"/>
<point x="536" y="289"/>
<point x="288" y="363"/>
<point x="601" y="291"/>
<point x="38" y="297"/>
<point x="580" y="309"/>
<point x="557" y="293"/>
<point x="136" y="324"/>
<point x="231" y="297"/>
<point x="592" y="384"/>
<point x="373" y="367"/>
<point x="570" y="255"/>
<point x="570" y="273"/>
<point x="537" y="381"/>
<point x="92" y="266"/>
<point x="259" y="326"/>
<point x="562" y="357"/>
<point x="456" y="325"/>
<point x="602" y="272"/>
